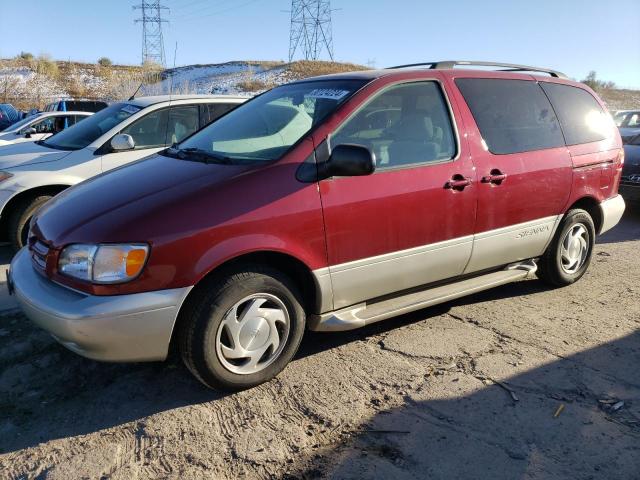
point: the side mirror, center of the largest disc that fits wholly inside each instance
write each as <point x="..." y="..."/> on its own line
<point x="348" y="161"/>
<point x="29" y="132"/>
<point x="122" y="142"/>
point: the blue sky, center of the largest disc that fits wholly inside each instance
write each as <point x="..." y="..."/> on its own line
<point x="569" y="35"/>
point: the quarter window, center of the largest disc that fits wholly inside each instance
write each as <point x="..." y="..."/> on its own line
<point x="513" y="115"/>
<point x="408" y="124"/>
<point x="581" y="116"/>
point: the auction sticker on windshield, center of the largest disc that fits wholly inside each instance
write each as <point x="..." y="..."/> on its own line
<point x="331" y="93"/>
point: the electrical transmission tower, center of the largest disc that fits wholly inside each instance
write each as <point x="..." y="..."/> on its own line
<point x="152" y="41"/>
<point x="310" y="29"/>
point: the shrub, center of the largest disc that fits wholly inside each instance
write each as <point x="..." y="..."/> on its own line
<point x="45" y="66"/>
<point x="26" y="56"/>
<point x="252" y="85"/>
<point x="105" y="62"/>
<point x="593" y="82"/>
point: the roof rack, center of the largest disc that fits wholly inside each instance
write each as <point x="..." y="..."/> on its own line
<point x="507" y="67"/>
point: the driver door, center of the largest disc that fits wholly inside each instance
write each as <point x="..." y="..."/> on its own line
<point x="405" y="225"/>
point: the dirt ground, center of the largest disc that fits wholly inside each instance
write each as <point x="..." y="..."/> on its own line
<point x="465" y="390"/>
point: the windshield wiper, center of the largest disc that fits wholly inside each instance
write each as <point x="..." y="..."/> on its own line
<point x="198" y="154"/>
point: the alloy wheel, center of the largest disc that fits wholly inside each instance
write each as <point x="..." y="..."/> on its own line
<point x="252" y="334"/>
<point x="574" y="248"/>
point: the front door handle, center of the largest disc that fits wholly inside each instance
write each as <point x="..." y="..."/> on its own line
<point x="457" y="182"/>
<point x="496" y="177"/>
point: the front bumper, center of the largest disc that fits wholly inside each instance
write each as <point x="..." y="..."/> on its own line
<point x="119" y="328"/>
<point x="611" y="210"/>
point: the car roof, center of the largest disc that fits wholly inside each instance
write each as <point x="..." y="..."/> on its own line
<point x="60" y="113"/>
<point x="152" y="100"/>
<point x="450" y="72"/>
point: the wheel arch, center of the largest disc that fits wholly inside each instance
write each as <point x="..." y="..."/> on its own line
<point x="592" y="206"/>
<point x="295" y="268"/>
<point x="20" y="196"/>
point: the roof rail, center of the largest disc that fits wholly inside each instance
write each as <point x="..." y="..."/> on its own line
<point x="507" y="67"/>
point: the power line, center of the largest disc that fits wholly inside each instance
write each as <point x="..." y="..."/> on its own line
<point x="199" y="15"/>
<point x="310" y="29"/>
<point x="152" y="40"/>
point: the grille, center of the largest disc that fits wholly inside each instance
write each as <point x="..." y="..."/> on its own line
<point x="39" y="252"/>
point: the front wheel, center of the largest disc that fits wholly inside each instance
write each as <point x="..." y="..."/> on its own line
<point x="242" y="329"/>
<point x="20" y="218"/>
<point x="568" y="256"/>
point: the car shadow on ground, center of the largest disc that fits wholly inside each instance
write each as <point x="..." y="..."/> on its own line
<point x="41" y="382"/>
<point x="488" y="434"/>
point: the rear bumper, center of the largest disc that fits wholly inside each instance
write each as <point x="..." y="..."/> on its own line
<point x="611" y="210"/>
<point x="117" y="328"/>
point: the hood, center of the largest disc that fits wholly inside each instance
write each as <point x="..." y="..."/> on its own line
<point x="8" y="137"/>
<point x="155" y="197"/>
<point x="28" y="153"/>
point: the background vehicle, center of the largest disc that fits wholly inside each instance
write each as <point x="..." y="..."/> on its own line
<point x="8" y="115"/>
<point x="40" y="126"/>
<point x="76" y="105"/>
<point x="329" y="203"/>
<point x="630" y="182"/>
<point x="32" y="173"/>
<point x="629" y="124"/>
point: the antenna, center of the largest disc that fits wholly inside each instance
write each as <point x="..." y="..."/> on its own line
<point x="310" y="29"/>
<point x="137" y="89"/>
<point x="175" y="54"/>
<point x="152" y="40"/>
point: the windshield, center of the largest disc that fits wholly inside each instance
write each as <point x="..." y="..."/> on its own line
<point x="83" y="133"/>
<point x="22" y="123"/>
<point x="266" y="127"/>
<point x="627" y="119"/>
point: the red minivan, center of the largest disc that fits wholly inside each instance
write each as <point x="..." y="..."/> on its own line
<point x="328" y="204"/>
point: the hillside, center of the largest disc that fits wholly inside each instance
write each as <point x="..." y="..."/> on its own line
<point x="29" y="83"/>
<point x="33" y="83"/>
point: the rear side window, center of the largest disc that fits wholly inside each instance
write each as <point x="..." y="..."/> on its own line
<point x="513" y="115"/>
<point x="581" y="116"/>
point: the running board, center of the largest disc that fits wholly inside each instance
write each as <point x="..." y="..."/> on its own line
<point x="365" y="314"/>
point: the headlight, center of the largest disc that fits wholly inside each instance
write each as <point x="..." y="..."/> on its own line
<point x="5" y="176"/>
<point x="108" y="263"/>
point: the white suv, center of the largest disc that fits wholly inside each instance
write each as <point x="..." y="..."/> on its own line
<point x="31" y="173"/>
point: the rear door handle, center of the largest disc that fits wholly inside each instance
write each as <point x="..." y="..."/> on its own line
<point x="496" y="177"/>
<point x="457" y="182"/>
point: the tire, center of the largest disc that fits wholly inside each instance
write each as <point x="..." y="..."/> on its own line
<point x="259" y="298"/>
<point x="560" y="266"/>
<point x="20" y="217"/>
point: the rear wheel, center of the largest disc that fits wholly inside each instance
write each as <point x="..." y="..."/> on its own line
<point x="569" y="254"/>
<point x="242" y="329"/>
<point x="20" y="218"/>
